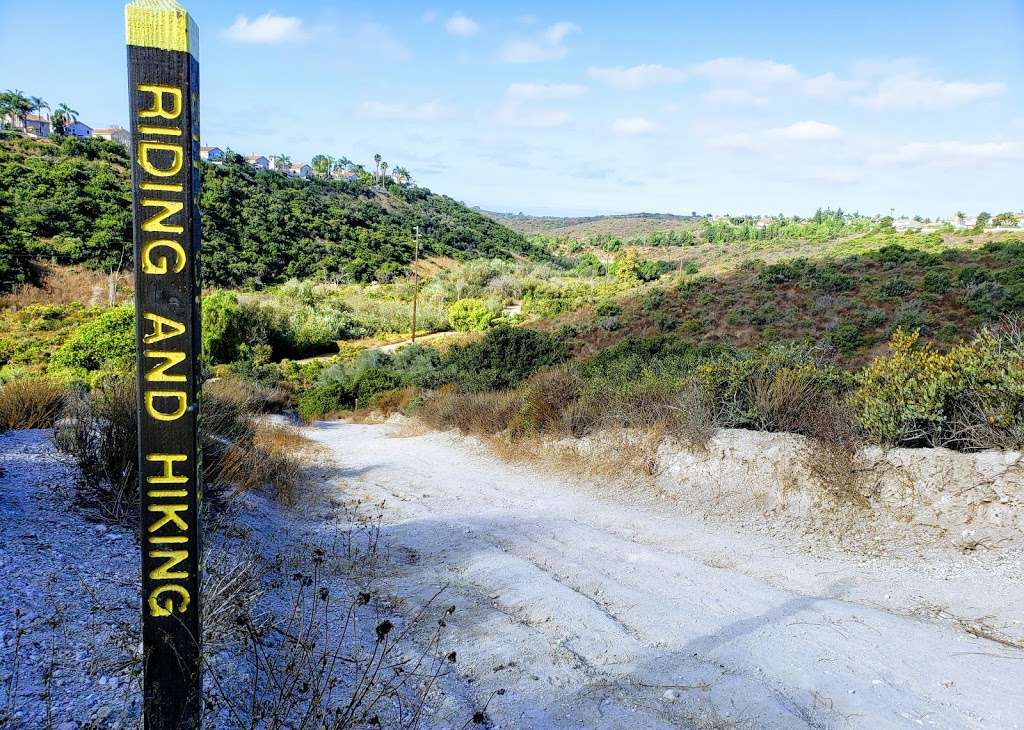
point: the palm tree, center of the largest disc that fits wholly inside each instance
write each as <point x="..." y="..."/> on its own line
<point x="281" y="162"/>
<point x="340" y="164"/>
<point x="18" y="104"/>
<point x="38" y="104"/>
<point x="402" y="176"/>
<point x="961" y="217"/>
<point x="62" y="116"/>
<point x="322" y="164"/>
<point x="376" y="172"/>
<point x="383" y="171"/>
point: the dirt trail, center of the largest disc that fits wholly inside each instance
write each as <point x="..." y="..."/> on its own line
<point x="576" y="609"/>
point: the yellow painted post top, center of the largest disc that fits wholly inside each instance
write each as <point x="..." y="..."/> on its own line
<point x="161" y="24"/>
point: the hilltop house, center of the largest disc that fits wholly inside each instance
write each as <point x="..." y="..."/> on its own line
<point x="258" y="161"/>
<point x="298" y="169"/>
<point x="211" y="154"/>
<point x="34" y="125"/>
<point x="349" y="175"/>
<point x="78" y="129"/>
<point x="115" y="134"/>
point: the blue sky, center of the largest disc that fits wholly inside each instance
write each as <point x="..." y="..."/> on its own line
<point x="570" y="108"/>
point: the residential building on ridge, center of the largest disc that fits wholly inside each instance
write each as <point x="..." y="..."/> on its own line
<point x="299" y="169"/>
<point x="78" y="129"/>
<point x="115" y="134"/>
<point x="258" y="161"/>
<point x="211" y="154"/>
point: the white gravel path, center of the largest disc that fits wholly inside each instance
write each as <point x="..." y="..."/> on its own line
<point x="577" y="609"/>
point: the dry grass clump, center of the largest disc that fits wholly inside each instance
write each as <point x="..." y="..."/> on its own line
<point x="395" y="401"/>
<point x="473" y="413"/>
<point x="696" y="417"/>
<point x="250" y="395"/>
<point x="31" y="403"/>
<point x="68" y="284"/>
<point x="270" y="453"/>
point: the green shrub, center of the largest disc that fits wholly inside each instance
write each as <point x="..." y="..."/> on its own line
<point x="222" y="331"/>
<point x="324" y="399"/>
<point x="371" y="382"/>
<point x="107" y="343"/>
<point x="845" y="337"/>
<point x="970" y="397"/>
<point x="894" y="288"/>
<point x="608" y="308"/>
<point x="502" y="359"/>
<point x="937" y="282"/>
<point x="470" y="315"/>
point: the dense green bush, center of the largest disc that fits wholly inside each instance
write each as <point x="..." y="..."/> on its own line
<point x="105" y="344"/>
<point x="373" y="381"/>
<point x="502" y="359"/>
<point x="324" y="399"/>
<point x="970" y="397"/>
<point x="470" y="315"/>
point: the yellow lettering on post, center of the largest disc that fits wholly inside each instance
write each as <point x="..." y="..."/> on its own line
<point x="163" y="131"/>
<point x="177" y="158"/>
<point x="163" y="328"/>
<point x="168" y="477"/>
<point x="172" y="558"/>
<point x="159" y="93"/>
<point x="156" y="223"/>
<point x="159" y="374"/>
<point x="159" y="415"/>
<point x="170" y="514"/>
<point x="156" y="608"/>
<point x="159" y="266"/>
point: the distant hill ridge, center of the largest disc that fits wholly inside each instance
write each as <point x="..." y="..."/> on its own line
<point x="68" y="201"/>
<point x="624" y="225"/>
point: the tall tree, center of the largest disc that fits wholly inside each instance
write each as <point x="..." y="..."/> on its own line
<point x="38" y="104"/>
<point x="322" y="164"/>
<point x="376" y="172"/>
<point x="383" y="172"/>
<point x="19" y="105"/>
<point x="63" y="116"/>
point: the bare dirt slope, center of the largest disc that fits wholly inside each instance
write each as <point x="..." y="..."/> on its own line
<point x="581" y="608"/>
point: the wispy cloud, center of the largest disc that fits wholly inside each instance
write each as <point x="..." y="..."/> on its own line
<point x="745" y="70"/>
<point x="733" y="97"/>
<point x="544" y="92"/>
<point x="461" y="25"/>
<point x="430" y="111"/>
<point x="548" y="45"/>
<point x="951" y="153"/>
<point x="267" y="28"/>
<point x="637" y="77"/>
<point x="807" y="131"/>
<point x="373" y="35"/>
<point x="514" y="113"/>
<point x="634" y="126"/>
<point x="915" y="91"/>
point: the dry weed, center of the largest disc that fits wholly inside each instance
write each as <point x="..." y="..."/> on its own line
<point x="31" y="403"/>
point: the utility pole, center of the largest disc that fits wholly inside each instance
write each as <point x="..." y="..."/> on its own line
<point x="415" y="280"/>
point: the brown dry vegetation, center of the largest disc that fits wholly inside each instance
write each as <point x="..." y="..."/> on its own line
<point x="31" y="403"/>
<point x="69" y="284"/>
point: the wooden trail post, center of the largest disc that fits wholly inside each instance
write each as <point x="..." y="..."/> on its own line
<point x="163" y="81"/>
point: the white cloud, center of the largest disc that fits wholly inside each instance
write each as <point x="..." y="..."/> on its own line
<point x="765" y="139"/>
<point x="733" y="97"/>
<point x="514" y="113"/>
<point x="538" y="92"/>
<point x="746" y="70"/>
<point x="732" y="141"/>
<point x="379" y="39"/>
<point x="548" y="45"/>
<point x="267" y="28"/>
<point x="431" y="111"/>
<point x="805" y="131"/>
<point x="636" y="77"/>
<point x="461" y="25"/>
<point x="634" y="126"/>
<point x="556" y="33"/>
<point x="914" y="91"/>
<point x="951" y="153"/>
